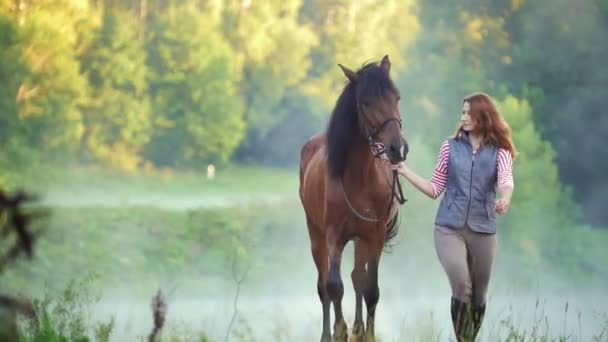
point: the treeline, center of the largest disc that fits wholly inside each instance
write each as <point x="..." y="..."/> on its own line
<point x="139" y="83"/>
<point x="179" y="83"/>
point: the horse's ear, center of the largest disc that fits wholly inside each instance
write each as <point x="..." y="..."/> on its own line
<point x="351" y="75"/>
<point x="385" y="64"/>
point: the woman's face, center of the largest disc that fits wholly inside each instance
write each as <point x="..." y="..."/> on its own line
<point x="468" y="125"/>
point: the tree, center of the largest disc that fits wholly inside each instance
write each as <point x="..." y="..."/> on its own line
<point x="271" y="48"/>
<point x="116" y="117"/>
<point x="558" y="65"/>
<point x="13" y="71"/>
<point x="545" y="214"/>
<point x="198" y="113"/>
<point x="50" y="96"/>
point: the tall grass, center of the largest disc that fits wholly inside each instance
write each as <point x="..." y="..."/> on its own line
<point x="67" y="317"/>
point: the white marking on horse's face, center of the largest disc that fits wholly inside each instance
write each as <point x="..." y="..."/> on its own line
<point x="401" y="151"/>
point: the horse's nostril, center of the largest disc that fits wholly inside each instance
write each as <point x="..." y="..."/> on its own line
<point x="396" y="151"/>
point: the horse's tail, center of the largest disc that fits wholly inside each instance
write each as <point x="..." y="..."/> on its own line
<point x="392" y="229"/>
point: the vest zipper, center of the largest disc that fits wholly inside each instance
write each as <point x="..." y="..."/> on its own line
<point x="471" y="183"/>
<point x="470" y="190"/>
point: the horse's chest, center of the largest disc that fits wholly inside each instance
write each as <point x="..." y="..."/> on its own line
<point x="374" y="207"/>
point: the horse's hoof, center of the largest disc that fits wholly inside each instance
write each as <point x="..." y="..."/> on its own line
<point x="358" y="333"/>
<point x="340" y="332"/>
<point x="370" y="335"/>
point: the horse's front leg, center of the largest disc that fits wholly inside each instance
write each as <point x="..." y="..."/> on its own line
<point x="335" y="287"/>
<point x="372" y="291"/>
<point x="359" y="277"/>
<point x="320" y="256"/>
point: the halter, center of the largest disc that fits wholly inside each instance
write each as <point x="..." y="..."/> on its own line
<point x="379" y="150"/>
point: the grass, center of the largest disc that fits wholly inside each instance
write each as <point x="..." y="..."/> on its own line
<point x="138" y="246"/>
<point x="91" y="186"/>
<point x="66" y="316"/>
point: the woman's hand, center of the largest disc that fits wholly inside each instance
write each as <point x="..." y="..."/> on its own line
<point x="419" y="183"/>
<point x="505" y="191"/>
<point x="502" y="206"/>
<point x="400" y="168"/>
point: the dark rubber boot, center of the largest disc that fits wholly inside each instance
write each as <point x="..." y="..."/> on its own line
<point x="462" y="320"/>
<point x="478" y="314"/>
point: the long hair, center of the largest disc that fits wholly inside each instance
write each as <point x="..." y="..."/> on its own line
<point x="489" y="122"/>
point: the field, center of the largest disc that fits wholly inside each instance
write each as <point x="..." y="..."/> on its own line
<point x="113" y="239"/>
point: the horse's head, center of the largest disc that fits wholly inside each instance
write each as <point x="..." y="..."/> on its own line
<point x="378" y="114"/>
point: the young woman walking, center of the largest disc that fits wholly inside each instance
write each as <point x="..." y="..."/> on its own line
<point x="473" y="166"/>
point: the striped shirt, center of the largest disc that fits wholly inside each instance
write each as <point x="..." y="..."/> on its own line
<point x="504" y="167"/>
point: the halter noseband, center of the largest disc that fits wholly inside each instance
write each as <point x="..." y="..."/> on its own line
<point x="378" y="148"/>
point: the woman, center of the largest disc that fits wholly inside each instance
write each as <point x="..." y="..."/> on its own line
<point x="471" y="166"/>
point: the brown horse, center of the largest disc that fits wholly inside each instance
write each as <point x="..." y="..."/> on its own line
<point x="348" y="193"/>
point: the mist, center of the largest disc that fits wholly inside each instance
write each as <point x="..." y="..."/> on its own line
<point x="278" y="298"/>
<point x="115" y="128"/>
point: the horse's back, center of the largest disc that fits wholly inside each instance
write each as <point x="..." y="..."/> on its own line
<point x="314" y="144"/>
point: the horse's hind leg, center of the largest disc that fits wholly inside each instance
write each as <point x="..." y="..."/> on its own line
<point x="320" y="256"/>
<point x="359" y="276"/>
<point x="335" y="287"/>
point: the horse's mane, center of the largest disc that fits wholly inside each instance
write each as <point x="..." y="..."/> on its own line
<point x="373" y="83"/>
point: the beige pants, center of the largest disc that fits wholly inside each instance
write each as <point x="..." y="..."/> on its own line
<point x="466" y="257"/>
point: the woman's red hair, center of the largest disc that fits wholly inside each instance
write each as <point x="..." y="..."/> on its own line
<point x="489" y="122"/>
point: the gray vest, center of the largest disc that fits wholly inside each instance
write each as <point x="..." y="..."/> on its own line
<point x="470" y="193"/>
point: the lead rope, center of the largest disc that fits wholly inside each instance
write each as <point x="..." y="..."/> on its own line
<point x="396" y="186"/>
<point x="353" y="209"/>
<point x="398" y="195"/>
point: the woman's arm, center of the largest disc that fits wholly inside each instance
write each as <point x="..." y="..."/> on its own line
<point x="436" y="185"/>
<point x="418" y="182"/>
<point x="505" y="181"/>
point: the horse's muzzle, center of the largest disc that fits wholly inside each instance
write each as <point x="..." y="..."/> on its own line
<point x="397" y="153"/>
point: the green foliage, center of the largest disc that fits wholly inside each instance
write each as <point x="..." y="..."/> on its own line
<point x="13" y="70"/>
<point x="542" y="209"/>
<point x="272" y="50"/>
<point x="49" y="97"/>
<point x="567" y="52"/>
<point x="117" y="115"/>
<point x="192" y="88"/>
<point x="65" y="317"/>
<point x="188" y="249"/>
<point x="351" y="33"/>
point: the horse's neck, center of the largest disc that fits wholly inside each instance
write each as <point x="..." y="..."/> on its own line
<point x="365" y="181"/>
<point x="361" y="167"/>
